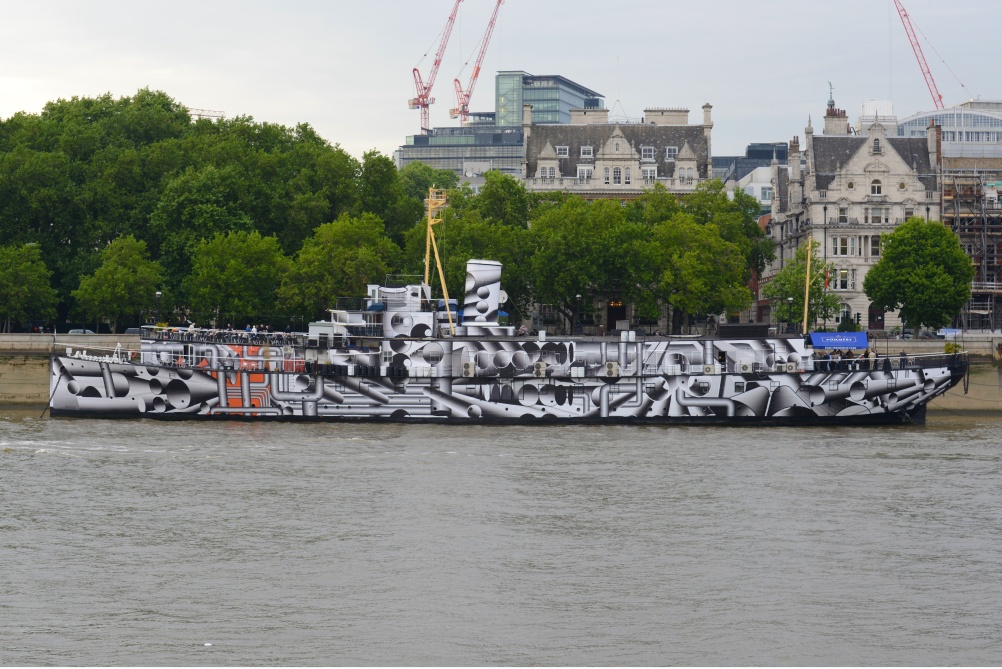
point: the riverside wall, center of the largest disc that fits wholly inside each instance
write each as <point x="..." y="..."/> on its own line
<point x="24" y="367"/>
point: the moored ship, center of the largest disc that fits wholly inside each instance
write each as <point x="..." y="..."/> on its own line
<point x="399" y="357"/>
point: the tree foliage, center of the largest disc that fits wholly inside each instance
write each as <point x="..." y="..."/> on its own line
<point x="125" y="284"/>
<point x="223" y="205"/>
<point x="791" y="281"/>
<point x="338" y="261"/>
<point x="236" y="277"/>
<point x="923" y="271"/>
<point x="25" y="291"/>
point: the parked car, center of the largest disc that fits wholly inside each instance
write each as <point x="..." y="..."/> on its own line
<point x="80" y="331"/>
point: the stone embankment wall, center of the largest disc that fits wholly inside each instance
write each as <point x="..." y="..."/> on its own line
<point x="24" y="367"/>
<point x="24" y="361"/>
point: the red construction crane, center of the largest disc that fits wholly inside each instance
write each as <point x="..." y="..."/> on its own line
<point x="424" y="99"/>
<point x="937" y="99"/>
<point x="462" y="109"/>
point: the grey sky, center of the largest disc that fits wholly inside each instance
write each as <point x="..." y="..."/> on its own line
<point x="345" y="67"/>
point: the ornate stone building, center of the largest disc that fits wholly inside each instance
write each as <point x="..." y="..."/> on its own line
<point x="595" y="158"/>
<point x="855" y="188"/>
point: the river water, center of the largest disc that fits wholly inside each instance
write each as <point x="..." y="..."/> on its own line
<point x="131" y="542"/>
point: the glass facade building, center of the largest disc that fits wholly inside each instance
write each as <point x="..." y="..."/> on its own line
<point x="972" y="129"/>
<point x="494" y="140"/>
<point x="552" y="98"/>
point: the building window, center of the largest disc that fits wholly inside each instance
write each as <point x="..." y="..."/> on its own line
<point x="671" y="152"/>
<point x="563" y="151"/>
<point x="587" y="152"/>
<point x="617" y="176"/>
<point x="875" y="187"/>
<point x="617" y="147"/>
<point x="901" y="186"/>
<point x="843" y="246"/>
<point x="852" y="246"/>
<point x="649" y="174"/>
<point x="852" y="280"/>
<point x="875" y="246"/>
<point x="647" y="153"/>
<point x="843" y="278"/>
<point x="626" y="176"/>
<point x="584" y="172"/>
<point x="553" y="172"/>
<point x="606" y="175"/>
<point x="843" y="214"/>
<point x="850" y="185"/>
<point x="909" y="212"/>
<point x="766" y="194"/>
<point x="876" y="146"/>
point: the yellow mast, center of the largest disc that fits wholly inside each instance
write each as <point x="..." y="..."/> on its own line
<point x="807" y="281"/>
<point x="437" y="201"/>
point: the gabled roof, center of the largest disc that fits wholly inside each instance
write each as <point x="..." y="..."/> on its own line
<point x="833" y="153"/>
<point x="915" y="152"/>
<point x="596" y="136"/>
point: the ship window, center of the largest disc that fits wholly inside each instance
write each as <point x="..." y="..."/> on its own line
<point x="739" y="386"/>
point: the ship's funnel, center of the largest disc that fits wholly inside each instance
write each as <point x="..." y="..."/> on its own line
<point x="483" y="290"/>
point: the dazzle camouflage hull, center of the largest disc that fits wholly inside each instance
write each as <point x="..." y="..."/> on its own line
<point x="389" y="361"/>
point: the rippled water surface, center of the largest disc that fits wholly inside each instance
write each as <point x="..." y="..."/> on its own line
<point x="130" y="542"/>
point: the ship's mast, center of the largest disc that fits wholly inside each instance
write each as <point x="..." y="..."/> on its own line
<point x="437" y="201"/>
<point x="807" y="282"/>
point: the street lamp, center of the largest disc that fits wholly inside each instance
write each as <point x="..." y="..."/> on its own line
<point x="577" y="326"/>
<point x="159" y="295"/>
<point x="789" y="313"/>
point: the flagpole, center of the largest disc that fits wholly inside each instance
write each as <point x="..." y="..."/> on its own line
<point x="807" y="283"/>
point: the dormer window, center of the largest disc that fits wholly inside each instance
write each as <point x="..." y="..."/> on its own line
<point x="671" y="152"/>
<point x="875" y="187"/>
<point x="876" y="145"/>
<point x="587" y="152"/>
<point x="647" y="153"/>
<point x="563" y="151"/>
<point x="617" y="147"/>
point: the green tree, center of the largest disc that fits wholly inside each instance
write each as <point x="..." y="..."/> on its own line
<point x="417" y="177"/>
<point x="503" y="199"/>
<point x="923" y="271"/>
<point x="125" y="284"/>
<point x="195" y="206"/>
<point x="339" y="260"/>
<point x="790" y="282"/>
<point x="736" y="219"/>
<point x="697" y="270"/>
<point x="585" y="249"/>
<point x="381" y="193"/>
<point x="25" y="292"/>
<point x="236" y="276"/>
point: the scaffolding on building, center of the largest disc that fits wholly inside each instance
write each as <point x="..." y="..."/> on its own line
<point x="971" y="209"/>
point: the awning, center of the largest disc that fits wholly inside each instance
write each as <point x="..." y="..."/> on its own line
<point x="854" y="340"/>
